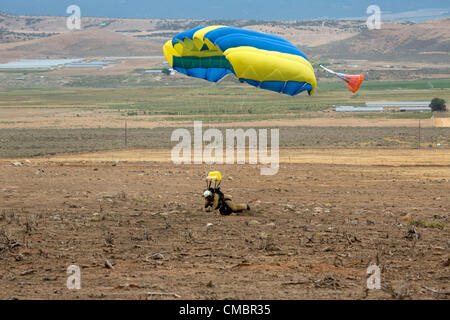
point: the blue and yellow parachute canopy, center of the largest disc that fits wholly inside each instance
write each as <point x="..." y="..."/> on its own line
<point x="262" y="60"/>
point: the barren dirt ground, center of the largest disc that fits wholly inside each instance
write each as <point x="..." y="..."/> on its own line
<point x="311" y="234"/>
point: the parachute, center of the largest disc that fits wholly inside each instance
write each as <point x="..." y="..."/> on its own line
<point x="261" y="60"/>
<point x="353" y="81"/>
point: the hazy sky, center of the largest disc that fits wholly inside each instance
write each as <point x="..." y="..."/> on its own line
<point x="229" y="9"/>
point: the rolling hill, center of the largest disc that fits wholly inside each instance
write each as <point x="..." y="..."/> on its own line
<point x="428" y="41"/>
<point x="83" y="44"/>
<point x="48" y="37"/>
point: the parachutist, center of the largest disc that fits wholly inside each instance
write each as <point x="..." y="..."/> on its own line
<point x="215" y="199"/>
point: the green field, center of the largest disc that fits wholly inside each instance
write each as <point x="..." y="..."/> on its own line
<point x="23" y="71"/>
<point x="228" y="100"/>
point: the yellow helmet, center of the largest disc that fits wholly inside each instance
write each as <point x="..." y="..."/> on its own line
<point x="215" y="176"/>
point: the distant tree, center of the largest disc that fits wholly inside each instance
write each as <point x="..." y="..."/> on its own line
<point x="438" y="104"/>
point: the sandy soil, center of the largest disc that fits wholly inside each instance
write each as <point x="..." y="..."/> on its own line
<point x="442" y="122"/>
<point x="312" y="232"/>
<point x="365" y="157"/>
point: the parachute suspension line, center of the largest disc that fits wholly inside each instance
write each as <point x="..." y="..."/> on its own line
<point x="284" y="86"/>
<point x="206" y="88"/>
<point x="204" y="92"/>
<point x="242" y="100"/>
